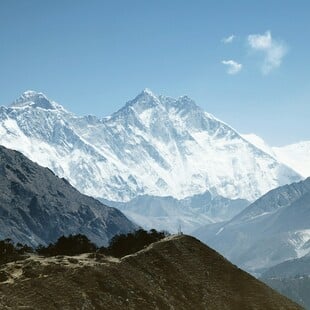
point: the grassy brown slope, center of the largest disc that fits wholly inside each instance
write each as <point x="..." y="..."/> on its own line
<point x="176" y="273"/>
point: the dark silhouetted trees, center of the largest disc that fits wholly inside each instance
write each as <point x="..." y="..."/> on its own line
<point x="121" y="245"/>
<point x="70" y="245"/>
<point x="10" y="252"/>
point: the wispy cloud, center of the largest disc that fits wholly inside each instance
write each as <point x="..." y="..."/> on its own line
<point x="274" y="50"/>
<point x="232" y="66"/>
<point x="229" y="39"/>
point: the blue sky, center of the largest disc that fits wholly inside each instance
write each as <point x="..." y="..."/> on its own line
<point x="93" y="56"/>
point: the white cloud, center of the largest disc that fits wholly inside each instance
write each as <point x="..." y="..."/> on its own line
<point x="274" y="50"/>
<point x="228" y="39"/>
<point x="233" y="66"/>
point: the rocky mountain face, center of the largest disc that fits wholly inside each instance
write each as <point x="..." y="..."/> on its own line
<point x="186" y="215"/>
<point x="273" y="229"/>
<point x="154" y="145"/>
<point x="37" y="207"/>
<point x="178" y="272"/>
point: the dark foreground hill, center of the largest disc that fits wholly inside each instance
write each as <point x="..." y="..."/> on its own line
<point x="177" y="272"/>
<point x="37" y="207"/>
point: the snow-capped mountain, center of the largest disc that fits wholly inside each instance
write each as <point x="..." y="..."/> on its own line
<point x="259" y="143"/>
<point x="154" y="145"/>
<point x="296" y="156"/>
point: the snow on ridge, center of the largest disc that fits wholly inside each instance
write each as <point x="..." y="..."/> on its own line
<point x="34" y="99"/>
<point x="154" y="145"/>
<point x="298" y="240"/>
<point x="296" y="156"/>
<point x="259" y="143"/>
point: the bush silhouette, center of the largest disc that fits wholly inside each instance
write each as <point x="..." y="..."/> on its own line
<point x="121" y="245"/>
<point x="10" y="252"/>
<point x="70" y="245"/>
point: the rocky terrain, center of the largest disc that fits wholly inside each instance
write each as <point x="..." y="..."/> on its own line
<point x="177" y="272"/>
<point x="37" y="207"/>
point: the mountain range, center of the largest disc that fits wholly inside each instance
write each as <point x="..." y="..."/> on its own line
<point x="166" y="164"/>
<point x="186" y="215"/>
<point x="188" y="167"/>
<point x="154" y="145"/>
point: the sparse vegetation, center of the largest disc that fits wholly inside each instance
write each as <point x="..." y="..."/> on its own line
<point x="179" y="273"/>
<point x="120" y="245"/>
<point x="70" y="245"/>
<point x="10" y="252"/>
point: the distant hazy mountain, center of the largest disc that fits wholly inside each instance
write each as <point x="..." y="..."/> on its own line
<point x="271" y="230"/>
<point x="295" y="288"/>
<point x="296" y="156"/>
<point x="154" y="145"/>
<point x="292" y="279"/>
<point x="291" y="268"/>
<point x="171" y="214"/>
<point x="178" y="272"/>
<point x="37" y="207"/>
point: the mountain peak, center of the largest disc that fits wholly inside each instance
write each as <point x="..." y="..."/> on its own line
<point x="146" y="95"/>
<point x="30" y="93"/>
<point x="147" y="99"/>
<point x="187" y="102"/>
<point x="31" y="98"/>
<point x="143" y="101"/>
<point x="147" y="91"/>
